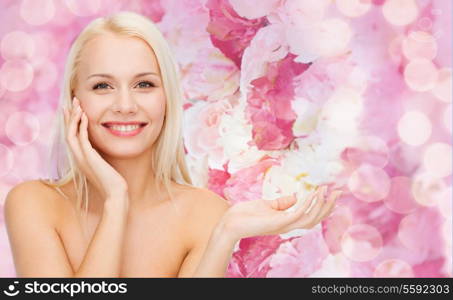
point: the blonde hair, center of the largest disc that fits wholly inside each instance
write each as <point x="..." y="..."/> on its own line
<point x="168" y="158"/>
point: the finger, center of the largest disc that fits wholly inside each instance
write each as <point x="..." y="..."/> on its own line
<point x="301" y="210"/>
<point x="310" y="217"/>
<point x="328" y="208"/>
<point x="283" y="203"/>
<point x="73" y="132"/>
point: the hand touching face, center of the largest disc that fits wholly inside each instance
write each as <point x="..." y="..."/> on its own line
<point x="119" y="84"/>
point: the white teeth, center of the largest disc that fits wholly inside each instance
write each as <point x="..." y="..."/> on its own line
<point x="124" y="128"/>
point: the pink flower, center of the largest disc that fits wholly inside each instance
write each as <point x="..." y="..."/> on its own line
<point x="201" y="130"/>
<point x="269" y="106"/>
<point x="246" y="184"/>
<point x="217" y="180"/>
<point x="229" y="32"/>
<point x="252" y="258"/>
<point x="299" y="257"/>
<point x="250" y="10"/>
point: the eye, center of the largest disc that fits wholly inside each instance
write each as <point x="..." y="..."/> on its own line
<point x="146" y="84"/>
<point x="101" y="85"/>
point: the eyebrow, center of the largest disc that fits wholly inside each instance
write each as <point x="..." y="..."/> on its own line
<point x="136" y="76"/>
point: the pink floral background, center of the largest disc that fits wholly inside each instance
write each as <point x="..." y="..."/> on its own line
<point x="280" y="96"/>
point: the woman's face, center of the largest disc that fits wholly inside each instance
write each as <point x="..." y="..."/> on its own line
<point x="119" y="84"/>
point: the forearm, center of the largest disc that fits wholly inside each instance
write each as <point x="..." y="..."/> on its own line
<point x="103" y="256"/>
<point x="217" y="255"/>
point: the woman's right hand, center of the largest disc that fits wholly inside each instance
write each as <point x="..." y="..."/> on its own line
<point x="99" y="172"/>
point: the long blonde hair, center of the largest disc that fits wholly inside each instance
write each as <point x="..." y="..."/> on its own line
<point x="168" y="159"/>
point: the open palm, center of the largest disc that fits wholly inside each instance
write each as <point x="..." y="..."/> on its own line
<point x="264" y="217"/>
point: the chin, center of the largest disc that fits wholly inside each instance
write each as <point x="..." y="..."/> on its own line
<point x="121" y="150"/>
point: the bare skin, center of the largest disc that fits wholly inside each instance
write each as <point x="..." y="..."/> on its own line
<point x="133" y="230"/>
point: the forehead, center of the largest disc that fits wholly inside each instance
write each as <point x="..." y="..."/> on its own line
<point x="118" y="55"/>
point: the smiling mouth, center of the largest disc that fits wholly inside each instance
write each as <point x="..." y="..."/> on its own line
<point x="124" y="129"/>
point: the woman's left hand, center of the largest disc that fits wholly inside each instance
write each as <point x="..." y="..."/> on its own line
<point x="264" y="217"/>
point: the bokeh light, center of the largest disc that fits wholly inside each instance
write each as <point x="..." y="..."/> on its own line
<point x="371" y="150"/>
<point x="445" y="203"/>
<point x="83" y="8"/>
<point x="426" y="189"/>
<point x="447" y="114"/>
<point x="22" y="128"/>
<point x="400" y="12"/>
<point x="6" y="160"/>
<point x="414" y="128"/>
<point x="17" y="45"/>
<point x="400" y="199"/>
<point x="37" y="12"/>
<point x="369" y="183"/>
<point x="361" y="242"/>
<point x="46" y="74"/>
<point x="393" y="268"/>
<point x="437" y="159"/>
<point x="419" y="44"/>
<point x="443" y="88"/>
<point x="333" y="36"/>
<point x="16" y="75"/>
<point x="420" y="75"/>
<point x="353" y="8"/>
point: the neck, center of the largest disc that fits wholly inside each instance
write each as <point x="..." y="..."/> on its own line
<point x="138" y="173"/>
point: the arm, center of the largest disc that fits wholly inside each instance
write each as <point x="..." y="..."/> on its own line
<point x="103" y="256"/>
<point x="37" y="248"/>
<point x="246" y="219"/>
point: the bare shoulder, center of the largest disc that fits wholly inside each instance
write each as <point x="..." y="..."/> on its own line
<point x="204" y="209"/>
<point x="203" y="202"/>
<point x="31" y="199"/>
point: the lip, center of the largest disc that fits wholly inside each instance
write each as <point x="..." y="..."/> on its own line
<point x="107" y="125"/>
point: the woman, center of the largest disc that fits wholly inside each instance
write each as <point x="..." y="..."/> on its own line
<point x="121" y="124"/>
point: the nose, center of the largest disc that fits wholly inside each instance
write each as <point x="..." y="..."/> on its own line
<point x="125" y="103"/>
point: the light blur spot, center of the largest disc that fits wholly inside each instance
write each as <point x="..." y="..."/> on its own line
<point x="37" y="12"/>
<point x="419" y="44"/>
<point x="447" y="117"/>
<point x="17" y="45"/>
<point x="45" y="44"/>
<point x="445" y="203"/>
<point x="415" y="235"/>
<point x="16" y="75"/>
<point x="6" y="160"/>
<point x="45" y="74"/>
<point x="393" y="268"/>
<point x="426" y="189"/>
<point x="404" y="158"/>
<point x="369" y="149"/>
<point x="400" y="12"/>
<point x="395" y="49"/>
<point x="353" y="8"/>
<point x="2" y="91"/>
<point x="335" y="226"/>
<point x="421" y="75"/>
<point x="437" y="159"/>
<point x="22" y="128"/>
<point x="369" y="183"/>
<point x="443" y="88"/>
<point x="400" y="199"/>
<point x="333" y="36"/>
<point x="83" y="8"/>
<point x="342" y="110"/>
<point x="357" y="80"/>
<point x="425" y="24"/>
<point x="361" y="242"/>
<point x="414" y="128"/>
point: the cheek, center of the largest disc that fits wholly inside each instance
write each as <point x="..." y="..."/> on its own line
<point x="156" y="108"/>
